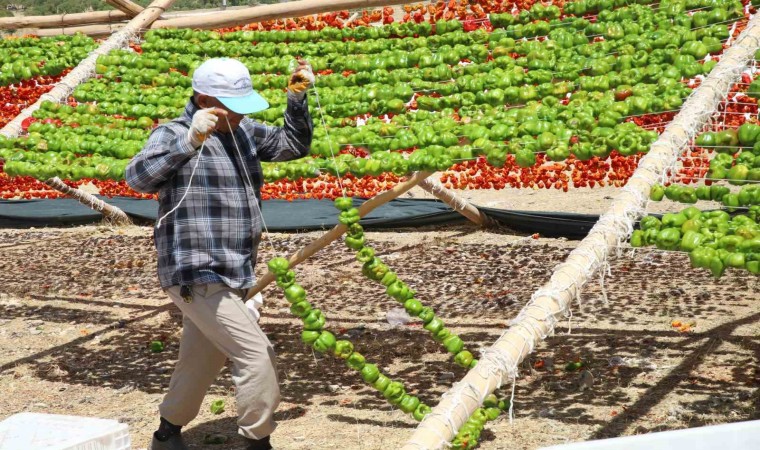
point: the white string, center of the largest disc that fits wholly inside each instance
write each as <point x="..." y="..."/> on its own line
<point x="189" y="185"/>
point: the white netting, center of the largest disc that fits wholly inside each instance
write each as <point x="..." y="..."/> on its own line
<point x="539" y="317"/>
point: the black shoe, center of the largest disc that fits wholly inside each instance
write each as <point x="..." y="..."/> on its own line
<point x="174" y="442"/>
<point x="258" y="444"/>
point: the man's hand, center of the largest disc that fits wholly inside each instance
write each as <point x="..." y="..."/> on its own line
<point x="301" y="80"/>
<point x="204" y="122"/>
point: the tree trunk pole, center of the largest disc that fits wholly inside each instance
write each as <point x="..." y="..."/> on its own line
<point x="111" y="213"/>
<point x="60" y="21"/>
<point x="129" y="8"/>
<point x="338" y="230"/>
<point x="456" y="202"/>
<point x="498" y="364"/>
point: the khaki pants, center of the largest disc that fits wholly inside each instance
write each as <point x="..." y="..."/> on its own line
<point x="216" y="325"/>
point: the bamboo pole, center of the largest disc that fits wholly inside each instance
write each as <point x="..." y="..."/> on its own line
<point x="111" y="213"/>
<point x="338" y="230"/>
<point x="274" y="11"/>
<point x="65" y="20"/>
<point x="235" y="17"/>
<point x="129" y="8"/>
<point x="456" y="202"/>
<point x="95" y="31"/>
<point x="536" y="321"/>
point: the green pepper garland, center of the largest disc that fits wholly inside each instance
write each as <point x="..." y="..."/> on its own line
<point x="324" y="341"/>
<point x="374" y="269"/>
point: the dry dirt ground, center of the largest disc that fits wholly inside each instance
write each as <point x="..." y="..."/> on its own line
<point x="79" y="307"/>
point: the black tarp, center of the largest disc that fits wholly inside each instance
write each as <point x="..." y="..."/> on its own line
<point x="281" y="215"/>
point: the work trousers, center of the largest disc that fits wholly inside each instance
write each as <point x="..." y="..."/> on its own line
<point x="216" y="325"/>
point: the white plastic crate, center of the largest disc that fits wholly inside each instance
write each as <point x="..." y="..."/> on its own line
<point x="731" y="436"/>
<point x="34" y="431"/>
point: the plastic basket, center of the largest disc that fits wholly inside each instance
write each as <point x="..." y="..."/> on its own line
<point x="34" y="431"/>
<point x="731" y="436"/>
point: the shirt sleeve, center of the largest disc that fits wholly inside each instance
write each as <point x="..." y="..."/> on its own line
<point x="163" y="154"/>
<point x="291" y="141"/>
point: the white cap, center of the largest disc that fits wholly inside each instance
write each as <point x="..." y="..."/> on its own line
<point x="229" y="81"/>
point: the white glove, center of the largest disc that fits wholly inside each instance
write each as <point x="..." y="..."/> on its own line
<point x="301" y="80"/>
<point x="204" y="122"/>
<point x="254" y="304"/>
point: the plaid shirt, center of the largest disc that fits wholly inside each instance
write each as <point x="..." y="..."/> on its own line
<point x="214" y="234"/>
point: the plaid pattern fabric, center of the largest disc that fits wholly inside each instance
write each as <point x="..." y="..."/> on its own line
<point x="213" y="235"/>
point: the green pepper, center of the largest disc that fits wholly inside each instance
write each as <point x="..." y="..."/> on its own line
<point x="409" y="403"/>
<point x="394" y="393"/>
<point x="295" y="293"/>
<point x="637" y="239"/>
<point x="314" y="321"/>
<point x="349" y="217"/>
<point x="343" y="349"/>
<point x="426" y="314"/>
<point x="441" y="335"/>
<point x="365" y="254"/>
<point x="673" y="220"/>
<point x="735" y="259"/>
<point x="156" y="346"/>
<point x="344" y="203"/>
<point x="355" y="230"/>
<point x="278" y="266"/>
<point x="300" y="309"/>
<point x="737" y="175"/>
<point x="434" y="325"/>
<point x="217" y="406"/>
<point x="325" y="342"/>
<point x="463" y="359"/>
<point x="650" y="222"/>
<point x="413" y="306"/>
<point x="730" y="243"/>
<point x="354" y="243"/>
<point x="381" y="383"/>
<point x="355" y="361"/>
<point x="748" y="133"/>
<point x="691" y="240"/>
<point x="286" y="280"/>
<point x="668" y="239"/>
<point x="421" y="411"/>
<point x="703" y="192"/>
<point x="309" y="337"/>
<point x="657" y="192"/>
<point x="453" y="344"/>
<point x="388" y="278"/>
<point x="717" y="192"/>
<point x="370" y="373"/>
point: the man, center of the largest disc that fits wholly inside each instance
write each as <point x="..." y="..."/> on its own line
<point x="205" y="167"/>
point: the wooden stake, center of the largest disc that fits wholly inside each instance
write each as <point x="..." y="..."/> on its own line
<point x="457" y="203"/>
<point x="273" y="11"/>
<point x="338" y="230"/>
<point x="129" y="8"/>
<point x="111" y="213"/>
<point x="65" y="20"/>
<point x="537" y="319"/>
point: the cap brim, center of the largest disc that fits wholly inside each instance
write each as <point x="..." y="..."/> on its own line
<point x="251" y="103"/>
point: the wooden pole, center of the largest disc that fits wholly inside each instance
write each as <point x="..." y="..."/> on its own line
<point x="96" y="31"/>
<point x="65" y="20"/>
<point x="112" y="213"/>
<point x="536" y="321"/>
<point x="274" y="11"/>
<point x="129" y="8"/>
<point x="338" y="230"/>
<point x="457" y="203"/>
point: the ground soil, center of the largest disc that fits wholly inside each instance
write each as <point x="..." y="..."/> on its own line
<point x="79" y="307"/>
